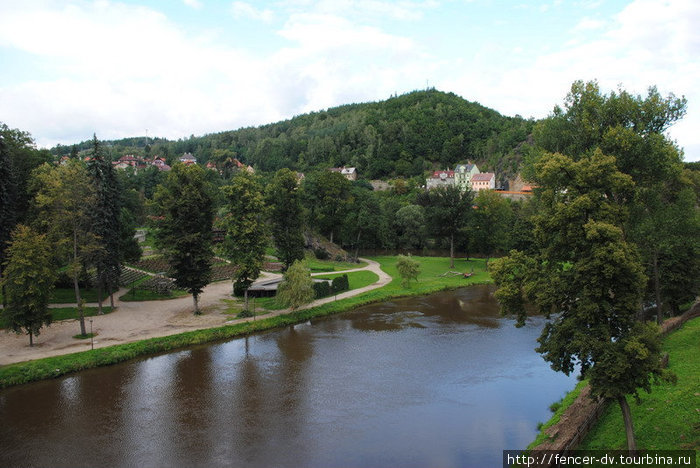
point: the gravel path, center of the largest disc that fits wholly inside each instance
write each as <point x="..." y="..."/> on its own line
<point x="133" y="321"/>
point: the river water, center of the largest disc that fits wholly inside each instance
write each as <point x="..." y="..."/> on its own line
<point x="440" y="380"/>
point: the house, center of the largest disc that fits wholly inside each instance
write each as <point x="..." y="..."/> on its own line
<point x="483" y="181"/>
<point x="128" y="160"/>
<point x="464" y="174"/>
<point x="349" y="173"/>
<point x="187" y="159"/>
<point x="440" y="179"/>
<point x="160" y="163"/>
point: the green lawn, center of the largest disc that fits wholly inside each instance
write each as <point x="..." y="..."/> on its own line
<point x="668" y="417"/>
<point x="317" y="266"/>
<point x="357" y="279"/>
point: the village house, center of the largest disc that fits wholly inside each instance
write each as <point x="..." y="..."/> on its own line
<point x="464" y="174"/>
<point x="188" y="159"/>
<point x="160" y="163"/>
<point x="349" y="173"/>
<point x="440" y="179"/>
<point x="483" y="181"/>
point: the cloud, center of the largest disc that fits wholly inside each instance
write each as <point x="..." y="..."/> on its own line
<point x="246" y="10"/>
<point x="196" y="4"/>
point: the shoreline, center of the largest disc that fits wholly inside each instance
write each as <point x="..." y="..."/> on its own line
<point x="136" y="345"/>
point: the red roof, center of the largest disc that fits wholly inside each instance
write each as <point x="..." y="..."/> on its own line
<point x="436" y="174"/>
<point x="483" y="177"/>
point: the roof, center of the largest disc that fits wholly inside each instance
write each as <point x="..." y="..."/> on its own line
<point x="439" y="174"/>
<point x="187" y="157"/>
<point x="483" y="177"/>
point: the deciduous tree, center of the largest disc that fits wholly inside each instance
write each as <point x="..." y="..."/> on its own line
<point x="184" y="233"/>
<point x="297" y="288"/>
<point x="286" y="218"/>
<point x="27" y="280"/>
<point x="408" y="268"/>
<point x="247" y="233"/>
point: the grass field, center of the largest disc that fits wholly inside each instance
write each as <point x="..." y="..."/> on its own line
<point x="70" y="313"/>
<point x="669" y="416"/>
<point x="67" y="295"/>
<point x="317" y="266"/>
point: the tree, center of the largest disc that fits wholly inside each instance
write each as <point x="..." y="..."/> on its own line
<point x="27" y="280"/>
<point x="63" y="199"/>
<point x="286" y="218"/>
<point x="106" y="222"/>
<point x="410" y="226"/>
<point x="326" y="196"/>
<point x="297" y="288"/>
<point x="447" y="211"/>
<point x="246" y="230"/>
<point x="586" y="277"/>
<point x="7" y="202"/>
<point x="491" y="222"/>
<point x="408" y="268"/>
<point x="631" y="128"/>
<point x="184" y="233"/>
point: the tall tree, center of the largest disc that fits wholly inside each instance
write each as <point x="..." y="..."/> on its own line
<point x="106" y="222"/>
<point x="286" y="218"/>
<point x="27" y="280"/>
<point x="326" y="195"/>
<point x="631" y="128"/>
<point x="447" y="210"/>
<point x="63" y="199"/>
<point x="7" y="202"/>
<point x="184" y="232"/>
<point x="491" y="222"/>
<point x="246" y="229"/>
<point x="586" y="277"/>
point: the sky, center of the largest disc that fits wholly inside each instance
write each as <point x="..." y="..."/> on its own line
<point x="175" y="68"/>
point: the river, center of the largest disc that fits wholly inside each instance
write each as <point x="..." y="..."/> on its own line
<point x="440" y="380"/>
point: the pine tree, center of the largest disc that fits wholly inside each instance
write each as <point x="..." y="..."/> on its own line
<point x="106" y="222"/>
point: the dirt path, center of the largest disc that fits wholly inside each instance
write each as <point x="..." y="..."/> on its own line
<point x="133" y="321"/>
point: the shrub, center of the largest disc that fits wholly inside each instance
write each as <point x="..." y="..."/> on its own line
<point x="322" y="289"/>
<point x="340" y="284"/>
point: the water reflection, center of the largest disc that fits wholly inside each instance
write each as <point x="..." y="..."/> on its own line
<point x="432" y="381"/>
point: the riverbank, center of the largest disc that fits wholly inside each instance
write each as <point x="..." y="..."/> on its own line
<point x="210" y="326"/>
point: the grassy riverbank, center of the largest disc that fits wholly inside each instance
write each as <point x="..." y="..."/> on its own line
<point x="665" y="418"/>
<point x="428" y="281"/>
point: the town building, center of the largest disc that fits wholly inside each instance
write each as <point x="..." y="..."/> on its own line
<point x="349" y="173"/>
<point x="464" y="174"/>
<point x="440" y="179"/>
<point x="483" y="181"/>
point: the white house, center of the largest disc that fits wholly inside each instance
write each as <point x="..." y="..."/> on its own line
<point x="483" y="181"/>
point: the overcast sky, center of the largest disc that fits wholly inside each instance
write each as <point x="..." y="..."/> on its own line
<point x="173" y="68"/>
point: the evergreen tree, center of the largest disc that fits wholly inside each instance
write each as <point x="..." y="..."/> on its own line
<point x="286" y="218"/>
<point x="184" y="233"/>
<point x="106" y="222"/>
<point x="246" y="229"/>
<point x="27" y="280"/>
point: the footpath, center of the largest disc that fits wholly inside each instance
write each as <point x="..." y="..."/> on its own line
<point x="134" y="321"/>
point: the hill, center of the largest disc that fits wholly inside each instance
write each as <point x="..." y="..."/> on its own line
<point x="402" y="136"/>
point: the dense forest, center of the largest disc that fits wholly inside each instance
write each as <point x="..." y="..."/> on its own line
<point x="403" y="136"/>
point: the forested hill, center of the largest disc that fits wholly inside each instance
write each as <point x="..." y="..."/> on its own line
<point x="403" y="136"/>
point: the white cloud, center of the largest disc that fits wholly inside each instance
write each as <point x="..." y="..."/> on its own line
<point x="196" y="4"/>
<point x="246" y="10"/>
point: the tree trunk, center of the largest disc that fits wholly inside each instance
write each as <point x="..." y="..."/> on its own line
<point x="331" y="239"/>
<point x="357" y="244"/>
<point x="99" y="295"/>
<point x="111" y="297"/>
<point x="245" y="295"/>
<point x="196" y="305"/>
<point x="452" y="251"/>
<point x="4" y="295"/>
<point x="657" y="289"/>
<point x="31" y="340"/>
<point x="78" y="299"/>
<point x="629" y="427"/>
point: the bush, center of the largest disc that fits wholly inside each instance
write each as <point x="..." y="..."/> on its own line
<point x="322" y="289"/>
<point x="340" y="284"/>
<point x="321" y="254"/>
